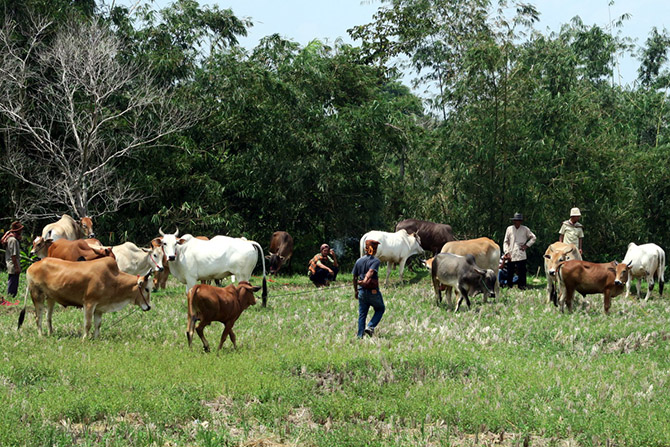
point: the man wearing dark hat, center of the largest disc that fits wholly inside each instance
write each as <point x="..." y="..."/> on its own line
<point x="517" y="239"/>
<point x="11" y="241"/>
<point x="323" y="267"/>
<point x="366" y="289"/>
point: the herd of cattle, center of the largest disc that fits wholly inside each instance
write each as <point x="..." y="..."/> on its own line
<point x="112" y="277"/>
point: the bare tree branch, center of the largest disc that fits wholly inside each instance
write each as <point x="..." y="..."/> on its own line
<point x="71" y="110"/>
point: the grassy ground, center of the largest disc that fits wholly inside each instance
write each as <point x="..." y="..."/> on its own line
<point x="510" y="372"/>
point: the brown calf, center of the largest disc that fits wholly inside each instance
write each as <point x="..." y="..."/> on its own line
<point x="78" y="250"/>
<point x="208" y="303"/>
<point x="587" y="277"/>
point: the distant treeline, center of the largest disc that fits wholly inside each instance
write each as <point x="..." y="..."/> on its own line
<point x="185" y="128"/>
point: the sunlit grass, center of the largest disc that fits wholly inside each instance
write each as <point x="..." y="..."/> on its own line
<point x="514" y="370"/>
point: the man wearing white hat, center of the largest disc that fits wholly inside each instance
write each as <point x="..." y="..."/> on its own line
<point x="572" y="232"/>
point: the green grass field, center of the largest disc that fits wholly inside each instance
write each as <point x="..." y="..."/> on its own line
<point x="510" y="372"/>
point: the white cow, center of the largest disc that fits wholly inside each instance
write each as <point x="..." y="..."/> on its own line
<point x="65" y="228"/>
<point x="648" y="260"/>
<point x="394" y="248"/>
<point x="137" y="261"/>
<point x="192" y="260"/>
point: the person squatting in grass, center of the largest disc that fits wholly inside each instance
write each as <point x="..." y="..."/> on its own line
<point x="366" y="289"/>
<point x="11" y="241"/>
<point x="323" y="267"/>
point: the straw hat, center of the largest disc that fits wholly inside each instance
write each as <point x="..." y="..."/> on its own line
<point x="575" y="212"/>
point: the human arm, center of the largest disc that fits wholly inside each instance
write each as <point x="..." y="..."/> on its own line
<point x="507" y="242"/>
<point x="531" y="238"/>
<point x="355" y="286"/>
<point x="332" y="254"/>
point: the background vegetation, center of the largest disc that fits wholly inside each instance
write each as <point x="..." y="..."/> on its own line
<point x="511" y="372"/>
<point x="325" y="142"/>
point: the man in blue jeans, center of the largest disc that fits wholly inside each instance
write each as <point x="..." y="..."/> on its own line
<point x="366" y="289"/>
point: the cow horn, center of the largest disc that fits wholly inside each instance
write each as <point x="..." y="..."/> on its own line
<point x="630" y="263"/>
<point x="176" y="233"/>
<point x="160" y="231"/>
<point x="148" y="275"/>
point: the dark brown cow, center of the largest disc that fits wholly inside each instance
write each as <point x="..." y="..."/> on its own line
<point x="587" y="277"/>
<point x="281" y="250"/>
<point x="225" y="304"/>
<point x="433" y="235"/>
<point x="78" y="250"/>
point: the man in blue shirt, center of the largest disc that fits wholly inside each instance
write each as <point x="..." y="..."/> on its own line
<point x="366" y="289"/>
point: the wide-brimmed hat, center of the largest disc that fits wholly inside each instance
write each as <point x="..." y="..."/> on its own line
<point x="575" y="212"/>
<point x="517" y="216"/>
<point x="16" y="226"/>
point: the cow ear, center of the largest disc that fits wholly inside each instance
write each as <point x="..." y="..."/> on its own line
<point x="267" y="256"/>
<point x="480" y="271"/>
<point x="255" y="289"/>
<point x="156" y="242"/>
<point x="181" y="241"/>
<point x="282" y="257"/>
<point x="547" y="256"/>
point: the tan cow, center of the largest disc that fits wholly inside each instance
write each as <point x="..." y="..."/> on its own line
<point x="485" y="251"/>
<point x="225" y="304"/>
<point x="588" y="277"/>
<point x="555" y="254"/>
<point x="98" y="286"/>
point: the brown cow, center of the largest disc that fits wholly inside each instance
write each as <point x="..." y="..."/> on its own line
<point x="78" y="250"/>
<point x="65" y="228"/>
<point x="588" y="277"/>
<point x="555" y="254"/>
<point x="208" y="303"/>
<point x="281" y="250"/>
<point x="98" y="286"/>
<point x="433" y="235"/>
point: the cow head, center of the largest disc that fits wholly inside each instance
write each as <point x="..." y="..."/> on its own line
<point x="428" y="263"/>
<point x="169" y="242"/>
<point x="621" y="273"/>
<point x="415" y="245"/>
<point x="245" y="292"/>
<point x="144" y="286"/>
<point x="86" y="227"/>
<point x="155" y="255"/>
<point x="41" y="247"/>
<point x="276" y="262"/>
<point x="555" y="257"/>
<point x="487" y="281"/>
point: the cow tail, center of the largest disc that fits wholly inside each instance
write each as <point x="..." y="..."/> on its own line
<point x="661" y="271"/>
<point x="22" y="314"/>
<point x="190" y="296"/>
<point x="265" y="284"/>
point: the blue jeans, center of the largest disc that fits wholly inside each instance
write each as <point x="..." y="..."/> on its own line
<point x="366" y="299"/>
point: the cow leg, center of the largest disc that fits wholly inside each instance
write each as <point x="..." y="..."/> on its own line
<point x="50" y="312"/>
<point x="39" y="308"/>
<point x="566" y="300"/>
<point x="228" y="329"/>
<point x="401" y="268"/>
<point x="438" y="291"/>
<point x="89" y="309"/>
<point x="200" y="329"/>
<point x="628" y="283"/>
<point x="388" y="273"/>
<point x="447" y="292"/>
<point x="639" y="287"/>
<point x="607" y="300"/>
<point x="650" y="285"/>
<point x="97" y="321"/>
